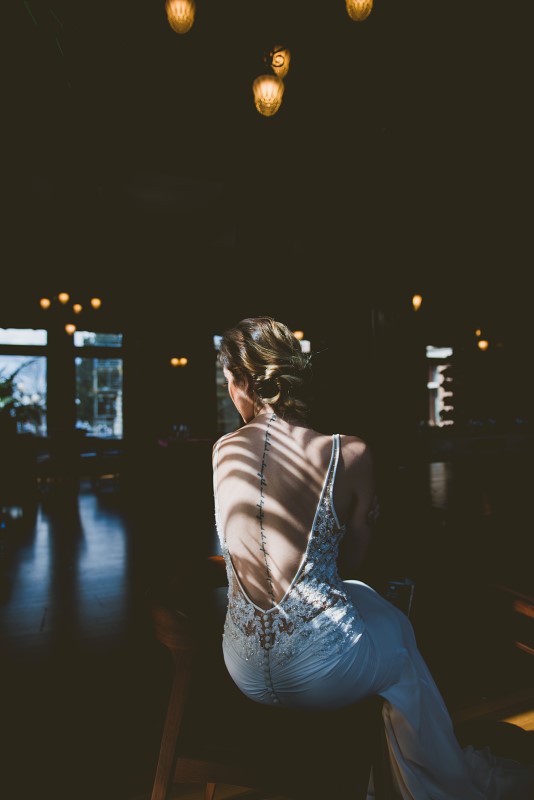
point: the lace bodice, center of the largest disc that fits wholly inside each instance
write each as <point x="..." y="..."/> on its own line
<point x="316" y="609"/>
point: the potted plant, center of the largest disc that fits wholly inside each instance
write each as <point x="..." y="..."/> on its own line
<point x="17" y="409"/>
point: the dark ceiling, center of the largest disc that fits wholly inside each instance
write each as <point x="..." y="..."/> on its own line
<point x="136" y="164"/>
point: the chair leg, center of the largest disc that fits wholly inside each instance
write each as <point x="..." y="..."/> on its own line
<point x="209" y="791"/>
<point x="171" y="728"/>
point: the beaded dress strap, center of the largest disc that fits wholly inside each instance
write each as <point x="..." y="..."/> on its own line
<point x="332" y="475"/>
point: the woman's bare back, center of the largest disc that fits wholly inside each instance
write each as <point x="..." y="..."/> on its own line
<point x="270" y="476"/>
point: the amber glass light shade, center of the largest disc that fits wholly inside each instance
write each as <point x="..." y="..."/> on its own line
<point x="70" y="328"/>
<point x="76" y="308"/>
<point x="96" y="302"/>
<point x="416" y="302"/>
<point x="483" y="344"/>
<point x="63" y="297"/>
<point x="268" y="91"/>
<point x="44" y="302"/>
<point x="180" y="14"/>
<point x="280" y="58"/>
<point x="358" y="10"/>
<point x="298" y="335"/>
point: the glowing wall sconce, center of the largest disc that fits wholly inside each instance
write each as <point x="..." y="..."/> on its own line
<point x="358" y="10"/>
<point x="180" y="14"/>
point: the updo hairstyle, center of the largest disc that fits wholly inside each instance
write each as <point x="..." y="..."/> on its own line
<point x="267" y="355"/>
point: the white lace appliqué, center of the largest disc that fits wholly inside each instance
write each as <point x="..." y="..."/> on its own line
<point x="316" y="611"/>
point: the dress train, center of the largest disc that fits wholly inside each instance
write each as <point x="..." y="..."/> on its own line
<point x="427" y="760"/>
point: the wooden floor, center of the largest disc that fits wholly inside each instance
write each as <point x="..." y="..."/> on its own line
<point x="223" y="792"/>
<point x="84" y="683"/>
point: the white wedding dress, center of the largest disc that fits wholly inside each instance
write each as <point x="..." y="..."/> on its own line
<point x="329" y="643"/>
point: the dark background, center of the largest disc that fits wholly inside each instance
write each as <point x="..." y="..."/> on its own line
<point x="137" y="168"/>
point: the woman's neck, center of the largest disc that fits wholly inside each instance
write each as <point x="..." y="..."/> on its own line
<point x="266" y="411"/>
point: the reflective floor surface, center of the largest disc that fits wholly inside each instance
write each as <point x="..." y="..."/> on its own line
<point x="84" y="683"/>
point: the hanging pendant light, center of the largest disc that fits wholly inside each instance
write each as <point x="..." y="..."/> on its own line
<point x="180" y="14"/>
<point x="280" y="58"/>
<point x="358" y="10"/>
<point x="268" y="91"/>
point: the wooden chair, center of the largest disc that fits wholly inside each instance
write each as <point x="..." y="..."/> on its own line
<point x="213" y="734"/>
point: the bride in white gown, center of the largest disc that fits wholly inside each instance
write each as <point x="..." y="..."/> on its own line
<point x="289" y="501"/>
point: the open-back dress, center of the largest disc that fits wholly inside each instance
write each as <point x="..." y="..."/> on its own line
<point x="328" y="643"/>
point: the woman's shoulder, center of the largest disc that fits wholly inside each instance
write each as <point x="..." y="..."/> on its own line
<point x="354" y="449"/>
<point x="222" y="439"/>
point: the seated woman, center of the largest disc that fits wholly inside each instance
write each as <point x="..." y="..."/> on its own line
<point x="287" y="500"/>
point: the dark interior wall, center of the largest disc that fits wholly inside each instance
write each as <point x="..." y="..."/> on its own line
<point x="135" y="169"/>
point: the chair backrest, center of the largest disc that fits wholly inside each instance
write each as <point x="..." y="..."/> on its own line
<point x="214" y="734"/>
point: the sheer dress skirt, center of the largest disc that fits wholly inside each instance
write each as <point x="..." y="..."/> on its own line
<point x="427" y="760"/>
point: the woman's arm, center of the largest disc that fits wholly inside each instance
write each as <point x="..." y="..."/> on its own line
<point x="363" y="508"/>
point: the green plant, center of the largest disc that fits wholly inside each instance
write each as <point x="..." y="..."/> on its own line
<point x="14" y="403"/>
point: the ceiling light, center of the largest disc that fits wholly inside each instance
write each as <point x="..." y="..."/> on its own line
<point x="358" y="10"/>
<point x="416" y="302"/>
<point x="268" y="91"/>
<point x="280" y="58"/>
<point x="180" y="14"/>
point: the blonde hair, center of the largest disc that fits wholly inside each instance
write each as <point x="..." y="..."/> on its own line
<point x="266" y="354"/>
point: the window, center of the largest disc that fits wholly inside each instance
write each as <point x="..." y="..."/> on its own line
<point x="99" y="376"/>
<point x="91" y="339"/>
<point x="23" y="391"/>
<point x="99" y="396"/>
<point x="227" y="417"/>
<point x="23" y="336"/>
<point x="24" y="380"/>
<point x="23" y="376"/>
<point x="440" y="394"/>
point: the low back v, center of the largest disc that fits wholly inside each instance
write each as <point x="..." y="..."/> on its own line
<point x="315" y="615"/>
